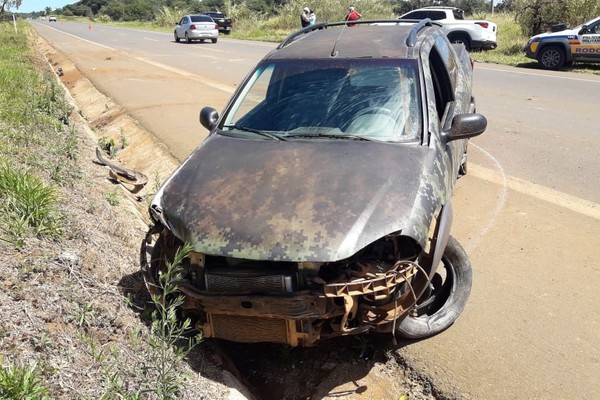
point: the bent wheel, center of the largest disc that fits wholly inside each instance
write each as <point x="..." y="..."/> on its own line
<point x="445" y="298"/>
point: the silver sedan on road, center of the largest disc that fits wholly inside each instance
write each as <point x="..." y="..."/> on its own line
<point x="196" y="27"/>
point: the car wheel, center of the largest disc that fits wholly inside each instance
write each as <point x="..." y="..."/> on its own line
<point x="176" y="37"/>
<point x="187" y="38"/>
<point x="551" y="57"/>
<point x="461" y="38"/>
<point x="213" y="40"/>
<point x="444" y="299"/>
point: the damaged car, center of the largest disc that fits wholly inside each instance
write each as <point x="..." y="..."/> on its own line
<point x="320" y="203"/>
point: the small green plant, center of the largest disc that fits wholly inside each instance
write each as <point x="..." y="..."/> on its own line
<point x="113" y="197"/>
<point x="170" y="339"/>
<point x="123" y="140"/>
<point x="84" y="315"/>
<point x="108" y="146"/>
<point x="21" y="382"/>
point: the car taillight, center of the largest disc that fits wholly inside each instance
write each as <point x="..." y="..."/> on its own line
<point x="216" y="26"/>
<point x="483" y="24"/>
<point x="192" y="27"/>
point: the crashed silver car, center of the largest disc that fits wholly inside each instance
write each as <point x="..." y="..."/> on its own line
<point x="320" y="203"/>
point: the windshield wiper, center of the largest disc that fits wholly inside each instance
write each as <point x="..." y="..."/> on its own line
<point x="328" y="135"/>
<point x="252" y="130"/>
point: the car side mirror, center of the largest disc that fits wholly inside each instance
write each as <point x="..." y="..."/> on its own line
<point x="584" y="30"/>
<point x="209" y="117"/>
<point x="465" y="126"/>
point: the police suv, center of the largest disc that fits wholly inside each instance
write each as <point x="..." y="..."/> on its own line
<point x="562" y="46"/>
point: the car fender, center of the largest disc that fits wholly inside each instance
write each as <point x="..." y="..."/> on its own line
<point x="562" y="42"/>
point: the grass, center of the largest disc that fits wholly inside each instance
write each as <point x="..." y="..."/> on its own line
<point x="21" y="382"/>
<point x="40" y="168"/>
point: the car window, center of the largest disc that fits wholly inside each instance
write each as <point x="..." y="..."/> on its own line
<point x="416" y="15"/>
<point x="367" y="98"/>
<point x="201" y="18"/>
<point x="436" y="15"/>
<point x="458" y="14"/>
<point x="440" y="80"/>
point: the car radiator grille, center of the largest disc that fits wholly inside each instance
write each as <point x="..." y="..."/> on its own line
<point x="244" y="284"/>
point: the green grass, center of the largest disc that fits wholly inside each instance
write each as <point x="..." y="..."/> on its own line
<point x="38" y="150"/>
<point x="21" y="382"/>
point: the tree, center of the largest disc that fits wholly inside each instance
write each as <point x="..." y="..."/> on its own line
<point x="6" y="5"/>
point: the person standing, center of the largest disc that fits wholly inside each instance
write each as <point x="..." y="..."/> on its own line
<point x="352" y="15"/>
<point x="304" y="17"/>
<point x="312" y="17"/>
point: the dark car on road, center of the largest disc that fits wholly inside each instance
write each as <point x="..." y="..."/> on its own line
<point x="320" y="204"/>
<point x="224" y="22"/>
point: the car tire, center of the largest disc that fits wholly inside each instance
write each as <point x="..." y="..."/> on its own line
<point x="213" y="40"/>
<point x="461" y="38"/>
<point x="187" y="38"/>
<point x="551" y="57"/>
<point x="176" y="37"/>
<point x="445" y="299"/>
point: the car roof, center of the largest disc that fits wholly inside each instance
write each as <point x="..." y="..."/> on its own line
<point x="373" y="39"/>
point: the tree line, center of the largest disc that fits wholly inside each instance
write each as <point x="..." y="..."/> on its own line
<point x="534" y="16"/>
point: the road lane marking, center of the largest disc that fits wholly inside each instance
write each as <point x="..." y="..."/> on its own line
<point x="554" y="197"/>
<point x="152" y="40"/>
<point x="189" y="75"/>
<point x="537" y="74"/>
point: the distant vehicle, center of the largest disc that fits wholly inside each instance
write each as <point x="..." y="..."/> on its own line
<point x="196" y="27"/>
<point x="224" y="22"/>
<point x="562" y="46"/>
<point x="52" y="18"/>
<point x="474" y="34"/>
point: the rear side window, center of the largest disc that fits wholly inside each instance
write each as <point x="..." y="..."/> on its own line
<point x="436" y="15"/>
<point x="458" y="14"/>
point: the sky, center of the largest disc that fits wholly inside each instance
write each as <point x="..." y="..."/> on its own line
<point x="40" y="5"/>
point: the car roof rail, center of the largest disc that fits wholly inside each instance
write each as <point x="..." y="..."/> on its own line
<point x="324" y="25"/>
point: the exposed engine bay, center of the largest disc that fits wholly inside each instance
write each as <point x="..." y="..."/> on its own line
<point x="298" y="303"/>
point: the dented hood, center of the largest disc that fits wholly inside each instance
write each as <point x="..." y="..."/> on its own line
<point x="317" y="200"/>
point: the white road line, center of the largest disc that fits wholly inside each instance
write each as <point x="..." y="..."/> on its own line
<point x="554" y="197"/>
<point x="189" y="75"/>
<point x="152" y="40"/>
<point x="479" y="66"/>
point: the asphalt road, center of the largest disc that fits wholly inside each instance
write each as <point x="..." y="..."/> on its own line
<point x="528" y="213"/>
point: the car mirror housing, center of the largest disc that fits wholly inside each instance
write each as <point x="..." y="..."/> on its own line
<point x="465" y="126"/>
<point x="209" y="117"/>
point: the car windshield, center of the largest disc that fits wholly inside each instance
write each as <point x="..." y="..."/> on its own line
<point x="372" y="99"/>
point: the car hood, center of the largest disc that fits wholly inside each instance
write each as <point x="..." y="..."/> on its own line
<point x="564" y="33"/>
<point x="317" y="200"/>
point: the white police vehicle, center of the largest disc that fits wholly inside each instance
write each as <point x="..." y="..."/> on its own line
<point x="562" y="46"/>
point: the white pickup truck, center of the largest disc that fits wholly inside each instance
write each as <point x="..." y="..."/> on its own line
<point x="474" y="34"/>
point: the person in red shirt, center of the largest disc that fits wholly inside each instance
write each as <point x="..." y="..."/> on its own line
<point x="352" y="15"/>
